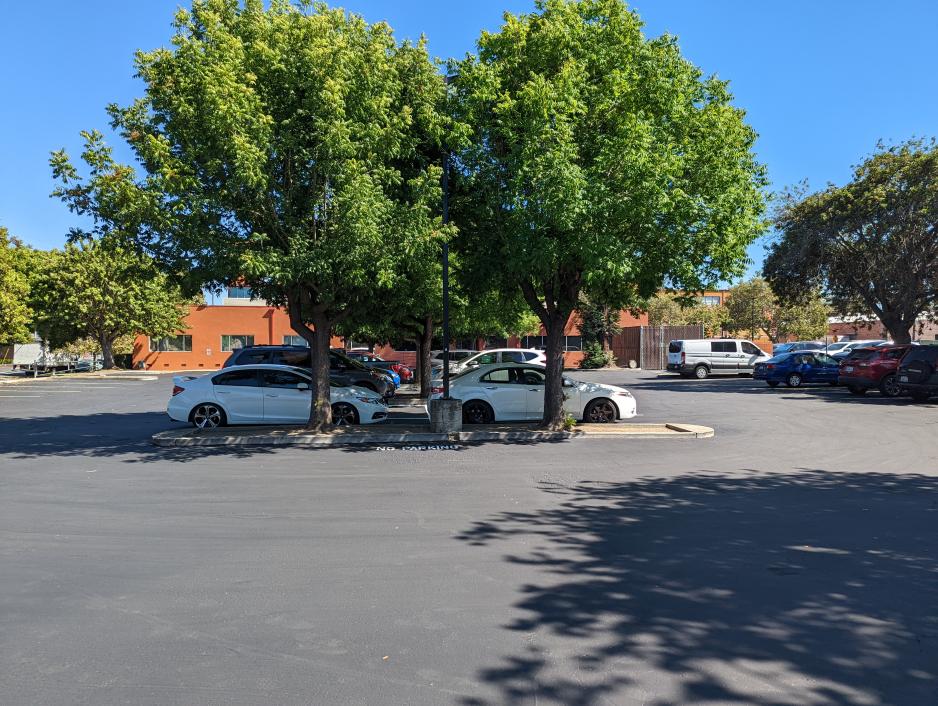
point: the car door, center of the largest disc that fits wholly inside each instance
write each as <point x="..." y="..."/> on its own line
<point x="240" y="393"/>
<point x="749" y="355"/>
<point x="507" y="397"/>
<point x="533" y="383"/>
<point x="826" y="369"/>
<point x="287" y="397"/>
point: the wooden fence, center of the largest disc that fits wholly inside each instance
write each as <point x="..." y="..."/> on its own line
<point x="647" y="346"/>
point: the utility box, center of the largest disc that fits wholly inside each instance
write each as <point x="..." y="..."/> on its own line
<point x="445" y="416"/>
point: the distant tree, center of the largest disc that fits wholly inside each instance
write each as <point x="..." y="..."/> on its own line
<point x="598" y="323"/>
<point x="103" y="290"/>
<point x="599" y="162"/>
<point x="15" y="312"/>
<point x="802" y="321"/>
<point x="750" y="307"/>
<point x="672" y="310"/>
<point x="665" y="310"/>
<point x="871" y="245"/>
<point x="296" y="147"/>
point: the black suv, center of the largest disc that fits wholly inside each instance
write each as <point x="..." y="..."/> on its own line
<point x="342" y="369"/>
<point x="918" y="372"/>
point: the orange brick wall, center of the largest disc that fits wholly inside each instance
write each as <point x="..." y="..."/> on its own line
<point x="206" y="325"/>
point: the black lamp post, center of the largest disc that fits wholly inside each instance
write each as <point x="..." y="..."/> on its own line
<point x="448" y="79"/>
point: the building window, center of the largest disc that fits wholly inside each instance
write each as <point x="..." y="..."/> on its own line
<point x="239" y="293"/>
<point x="233" y="342"/>
<point x="535" y="342"/>
<point x="295" y="341"/>
<point x="572" y="343"/>
<point x="710" y="300"/>
<point x="171" y="344"/>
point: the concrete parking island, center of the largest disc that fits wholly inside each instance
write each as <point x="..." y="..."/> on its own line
<point x="394" y="434"/>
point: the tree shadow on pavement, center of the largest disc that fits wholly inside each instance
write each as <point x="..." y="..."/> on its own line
<point x="106" y="434"/>
<point x="782" y="589"/>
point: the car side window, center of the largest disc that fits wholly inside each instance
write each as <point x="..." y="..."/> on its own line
<point x="252" y="358"/>
<point x="502" y="375"/>
<point x="894" y="354"/>
<point x="530" y="377"/>
<point x="512" y="357"/>
<point x="486" y="359"/>
<point x="282" y="379"/>
<point x="825" y="359"/>
<point x="530" y="355"/>
<point x="750" y="348"/>
<point x="237" y="378"/>
<point x="300" y="359"/>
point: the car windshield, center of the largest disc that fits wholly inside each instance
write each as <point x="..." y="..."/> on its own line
<point x="349" y="363"/>
<point x="862" y="354"/>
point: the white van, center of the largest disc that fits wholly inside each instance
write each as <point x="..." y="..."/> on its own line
<point x="703" y="357"/>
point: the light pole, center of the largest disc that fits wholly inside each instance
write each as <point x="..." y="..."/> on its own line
<point x="445" y="218"/>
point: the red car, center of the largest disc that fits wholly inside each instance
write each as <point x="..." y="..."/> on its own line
<point x="866" y="368"/>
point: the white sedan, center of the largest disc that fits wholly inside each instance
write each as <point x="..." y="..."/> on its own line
<point x="265" y="394"/>
<point x="513" y="391"/>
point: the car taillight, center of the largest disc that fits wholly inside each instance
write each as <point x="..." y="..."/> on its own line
<point x="770" y="366"/>
<point x="177" y="390"/>
<point x="397" y="367"/>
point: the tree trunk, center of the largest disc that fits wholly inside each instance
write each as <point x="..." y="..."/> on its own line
<point x="899" y="328"/>
<point x="424" y="344"/>
<point x="554" y="414"/>
<point x="320" y="408"/>
<point x="107" y="351"/>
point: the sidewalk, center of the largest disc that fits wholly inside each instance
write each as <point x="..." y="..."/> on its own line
<point x="8" y="377"/>
<point x="397" y="434"/>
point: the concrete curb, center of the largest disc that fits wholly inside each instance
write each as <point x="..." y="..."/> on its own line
<point x="278" y="436"/>
<point x="20" y="380"/>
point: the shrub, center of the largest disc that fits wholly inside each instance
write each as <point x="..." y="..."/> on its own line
<point x="595" y="357"/>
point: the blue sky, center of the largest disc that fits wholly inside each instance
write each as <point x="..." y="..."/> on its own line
<point x="821" y="80"/>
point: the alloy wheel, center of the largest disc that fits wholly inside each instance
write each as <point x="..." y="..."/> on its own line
<point x="476" y="413"/>
<point x="207" y="416"/>
<point x="344" y="414"/>
<point x="794" y="380"/>
<point x="889" y="386"/>
<point x="600" y="412"/>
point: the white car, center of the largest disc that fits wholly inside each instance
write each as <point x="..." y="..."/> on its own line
<point x="265" y="394"/>
<point x="514" y="391"/>
<point x="499" y="355"/>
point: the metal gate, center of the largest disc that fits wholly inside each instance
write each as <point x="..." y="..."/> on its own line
<point x="647" y="346"/>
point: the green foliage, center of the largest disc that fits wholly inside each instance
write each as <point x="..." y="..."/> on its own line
<point x="751" y="308"/>
<point x="103" y="290"/>
<point x="601" y="162"/>
<point x="868" y="246"/>
<point x="801" y="321"/>
<point x="598" y="323"/>
<point x="296" y="147"/>
<point x="15" y="313"/>
<point x="594" y="356"/>
<point x="671" y="310"/>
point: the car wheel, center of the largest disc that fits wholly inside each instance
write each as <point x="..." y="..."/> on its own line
<point x="794" y="380"/>
<point x="344" y="414"/>
<point x="858" y="391"/>
<point x="889" y="386"/>
<point x="920" y="395"/>
<point x="772" y="383"/>
<point x="600" y="411"/>
<point x="701" y="372"/>
<point x="477" y="412"/>
<point x="207" y="416"/>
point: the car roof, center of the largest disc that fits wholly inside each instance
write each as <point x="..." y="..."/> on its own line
<point x="264" y="366"/>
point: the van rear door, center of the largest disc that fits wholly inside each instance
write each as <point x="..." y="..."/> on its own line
<point x="675" y="348"/>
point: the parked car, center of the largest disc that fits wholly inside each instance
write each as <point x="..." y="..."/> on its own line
<point x="780" y="348"/>
<point x="875" y="367"/>
<point x="918" y="372"/>
<point x="797" y="368"/>
<point x="713" y="356"/>
<point x="342" y="370"/>
<point x="370" y="360"/>
<point x="265" y="394"/>
<point x="455" y="355"/>
<point x="498" y="355"/>
<point x="515" y="391"/>
<point x="845" y="348"/>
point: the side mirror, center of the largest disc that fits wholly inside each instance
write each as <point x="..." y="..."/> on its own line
<point x="568" y="383"/>
<point x="302" y="386"/>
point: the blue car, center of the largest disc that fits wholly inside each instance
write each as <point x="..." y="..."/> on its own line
<point x="798" y="368"/>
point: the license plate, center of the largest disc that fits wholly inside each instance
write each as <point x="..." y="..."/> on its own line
<point x="849" y="368"/>
<point x="903" y="378"/>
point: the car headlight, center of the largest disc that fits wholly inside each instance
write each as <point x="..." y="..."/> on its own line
<point x="623" y="393"/>
<point x="371" y="400"/>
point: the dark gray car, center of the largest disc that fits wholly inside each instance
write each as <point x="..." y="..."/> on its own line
<point x="342" y="369"/>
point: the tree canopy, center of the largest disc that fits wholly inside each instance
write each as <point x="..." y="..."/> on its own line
<point x="600" y="161"/>
<point x="871" y="246"/>
<point x="15" y="312"/>
<point x="295" y="149"/>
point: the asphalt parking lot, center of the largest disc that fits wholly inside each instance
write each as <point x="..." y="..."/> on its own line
<point x="792" y="559"/>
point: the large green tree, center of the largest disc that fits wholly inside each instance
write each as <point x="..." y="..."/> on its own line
<point x="103" y="289"/>
<point x="868" y="246"/>
<point x="295" y="147"/>
<point x="751" y="308"/>
<point x="15" y="312"/>
<point x="600" y="162"/>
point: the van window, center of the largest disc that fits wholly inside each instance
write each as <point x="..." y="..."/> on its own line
<point x="675" y="346"/>
<point x="750" y="348"/>
<point x="723" y="346"/>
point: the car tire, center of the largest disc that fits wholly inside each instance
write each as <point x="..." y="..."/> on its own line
<point x="344" y="414"/>
<point x="794" y="380"/>
<point x="600" y="411"/>
<point x="889" y="386"/>
<point x="920" y="395"/>
<point x="771" y="383"/>
<point x="477" y="412"/>
<point x="858" y="391"/>
<point x="701" y="372"/>
<point x="207" y="415"/>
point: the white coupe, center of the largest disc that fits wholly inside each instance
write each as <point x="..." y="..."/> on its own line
<point x="265" y="394"/>
<point x="513" y="391"/>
